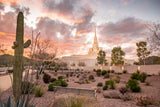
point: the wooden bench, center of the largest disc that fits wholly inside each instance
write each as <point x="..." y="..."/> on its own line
<point x="76" y="91"/>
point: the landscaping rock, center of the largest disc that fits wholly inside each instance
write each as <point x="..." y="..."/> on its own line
<point x="111" y="94"/>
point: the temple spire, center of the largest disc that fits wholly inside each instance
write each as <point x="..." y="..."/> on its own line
<point x="95" y="44"/>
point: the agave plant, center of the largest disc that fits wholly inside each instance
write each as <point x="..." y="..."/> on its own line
<point x="19" y="103"/>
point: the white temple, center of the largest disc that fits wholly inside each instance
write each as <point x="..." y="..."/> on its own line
<point x="89" y="60"/>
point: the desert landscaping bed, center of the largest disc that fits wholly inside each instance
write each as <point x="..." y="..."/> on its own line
<point x="153" y="89"/>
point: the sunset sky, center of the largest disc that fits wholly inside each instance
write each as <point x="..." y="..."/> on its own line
<point x="70" y="24"/>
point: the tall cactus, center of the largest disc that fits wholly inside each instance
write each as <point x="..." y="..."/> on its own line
<point x="18" y="46"/>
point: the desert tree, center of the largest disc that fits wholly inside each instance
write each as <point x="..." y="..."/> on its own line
<point x="117" y="56"/>
<point x="142" y="51"/>
<point x="154" y="39"/>
<point x="101" y="57"/>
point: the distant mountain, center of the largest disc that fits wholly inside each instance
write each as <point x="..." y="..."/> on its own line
<point x="7" y="59"/>
<point x="151" y="60"/>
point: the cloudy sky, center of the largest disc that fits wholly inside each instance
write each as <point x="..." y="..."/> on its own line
<point x="70" y="24"/>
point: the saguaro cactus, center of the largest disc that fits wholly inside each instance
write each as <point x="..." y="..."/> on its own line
<point x="18" y="46"/>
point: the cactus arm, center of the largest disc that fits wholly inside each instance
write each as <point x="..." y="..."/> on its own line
<point x="15" y="44"/>
<point x="27" y="43"/>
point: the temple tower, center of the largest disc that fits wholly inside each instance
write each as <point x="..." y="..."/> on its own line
<point x="95" y="48"/>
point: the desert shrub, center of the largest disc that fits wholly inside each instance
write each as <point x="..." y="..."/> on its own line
<point x="116" y="79"/>
<point x="60" y="77"/>
<point x="39" y="91"/>
<point x="104" y="72"/>
<point x="74" y="101"/>
<point x="94" y="70"/>
<point x="46" y="78"/>
<point x="86" y="80"/>
<point x="135" y="76"/>
<point x="126" y="97"/>
<point x="64" y="84"/>
<point x="107" y="82"/>
<point x="52" y="79"/>
<point x="133" y="85"/>
<point x="124" y="71"/>
<point x="119" y="73"/>
<point x="98" y="72"/>
<point x="67" y="75"/>
<point x="27" y="87"/>
<point x="100" y="84"/>
<point x="59" y="82"/>
<point x="112" y="84"/>
<point x="123" y="90"/>
<point x="50" y="87"/>
<point x="147" y="83"/>
<point x="108" y="71"/>
<point x="144" y="101"/>
<point x="105" y="87"/>
<point x="138" y="71"/>
<point x="78" y="75"/>
<point x="112" y="71"/>
<point x="142" y="77"/>
<point x="91" y="77"/>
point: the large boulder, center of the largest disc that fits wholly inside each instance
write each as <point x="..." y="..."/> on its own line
<point x="111" y="94"/>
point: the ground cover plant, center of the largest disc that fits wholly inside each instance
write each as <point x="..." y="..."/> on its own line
<point x="133" y="85"/>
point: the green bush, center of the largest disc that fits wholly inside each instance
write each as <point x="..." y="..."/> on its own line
<point x="133" y="85"/>
<point x="107" y="82"/>
<point x="105" y="87"/>
<point x="104" y="72"/>
<point x="39" y="91"/>
<point x="94" y="70"/>
<point x="27" y="87"/>
<point x="142" y="77"/>
<point x="112" y="84"/>
<point x="59" y="82"/>
<point x="91" y="77"/>
<point x="124" y="71"/>
<point x="52" y="79"/>
<point x="100" y="84"/>
<point x="67" y="75"/>
<point x="60" y="77"/>
<point x="108" y="71"/>
<point x="135" y="76"/>
<point x="50" y="87"/>
<point x="46" y="78"/>
<point x="116" y="79"/>
<point x="98" y="72"/>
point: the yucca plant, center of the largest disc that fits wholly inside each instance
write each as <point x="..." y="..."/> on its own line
<point x="19" y="103"/>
